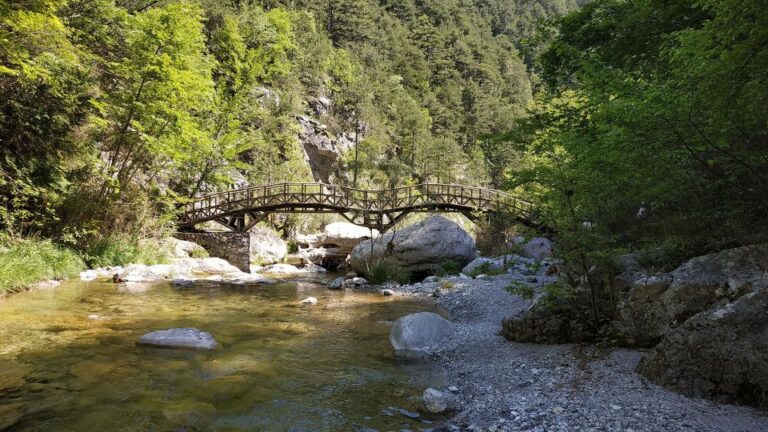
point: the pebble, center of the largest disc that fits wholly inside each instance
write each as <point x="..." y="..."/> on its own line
<point x="409" y="414"/>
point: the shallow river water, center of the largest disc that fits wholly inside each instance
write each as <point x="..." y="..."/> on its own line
<point x="69" y="361"/>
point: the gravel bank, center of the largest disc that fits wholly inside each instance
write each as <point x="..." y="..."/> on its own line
<point x="506" y="386"/>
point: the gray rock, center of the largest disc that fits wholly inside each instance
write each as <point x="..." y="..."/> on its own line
<point x="280" y="268"/>
<point x="719" y="354"/>
<point x="337" y="283"/>
<point x="415" y="336"/>
<point x="184" y="249"/>
<point x="435" y="401"/>
<point x="386" y="292"/>
<point x="430" y="279"/>
<point x="179" y="338"/>
<point x="331" y="247"/>
<point x="409" y="414"/>
<point x="421" y="247"/>
<point x="355" y="282"/>
<point x="537" y="248"/>
<point x="266" y="246"/>
<point x="321" y="152"/>
<point x="313" y="268"/>
<point x="653" y="305"/>
<point x="319" y="105"/>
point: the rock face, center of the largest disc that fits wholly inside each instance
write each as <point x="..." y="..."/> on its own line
<point x="321" y="151"/>
<point x="179" y="338"/>
<point x="415" y="336"/>
<point x="720" y="354"/>
<point x="655" y="304"/>
<point x="266" y="247"/>
<point x="331" y="247"/>
<point x="549" y="321"/>
<point x="418" y="248"/>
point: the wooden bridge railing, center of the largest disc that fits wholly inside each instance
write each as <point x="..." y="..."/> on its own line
<point x="373" y="205"/>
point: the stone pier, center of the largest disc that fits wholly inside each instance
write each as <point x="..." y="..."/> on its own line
<point x="232" y="246"/>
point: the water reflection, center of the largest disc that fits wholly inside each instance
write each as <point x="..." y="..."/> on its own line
<point x="68" y="359"/>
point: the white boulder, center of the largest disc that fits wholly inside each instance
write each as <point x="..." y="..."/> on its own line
<point x="415" y="336"/>
<point x="179" y="338"/>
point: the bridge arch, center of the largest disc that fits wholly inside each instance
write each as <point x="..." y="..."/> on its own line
<point x="239" y="210"/>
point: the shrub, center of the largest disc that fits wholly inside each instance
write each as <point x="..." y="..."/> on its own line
<point x="518" y="288"/>
<point x="487" y="269"/>
<point x="447" y="268"/>
<point x="386" y="272"/>
<point x="26" y="262"/>
<point x="119" y="250"/>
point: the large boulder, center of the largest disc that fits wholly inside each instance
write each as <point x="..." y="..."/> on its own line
<point x="266" y="246"/>
<point x="419" y="248"/>
<point x="179" y="338"/>
<point x="416" y="336"/>
<point x="653" y="305"/>
<point x="537" y="248"/>
<point x="721" y="353"/>
<point x="185" y="249"/>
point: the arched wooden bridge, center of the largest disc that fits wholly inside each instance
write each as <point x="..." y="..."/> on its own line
<point x="241" y="209"/>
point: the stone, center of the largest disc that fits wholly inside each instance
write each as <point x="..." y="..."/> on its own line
<point x="234" y="247"/>
<point x="331" y="247"/>
<point x="435" y="401"/>
<point x="309" y="301"/>
<point x="550" y="321"/>
<point x="416" y="336"/>
<point x="47" y="284"/>
<point x="386" y="292"/>
<point x="313" y="268"/>
<point x="355" y="282"/>
<point x="280" y="268"/>
<point x="410" y="414"/>
<point x="652" y="305"/>
<point x="721" y="353"/>
<point x="184" y="248"/>
<point x="537" y="248"/>
<point x="179" y="338"/>
<point x="266" y="247"/>
<point x="337" y="283"/>
<point x="453" y="389"/>
<point x="419" y="248"/>
<point x="267" y="97"/>
<point x="430" y="279"/>
<point x="319" y="105"/>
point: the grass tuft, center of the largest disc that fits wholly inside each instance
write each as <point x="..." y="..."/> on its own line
<point x="26" y="262"/>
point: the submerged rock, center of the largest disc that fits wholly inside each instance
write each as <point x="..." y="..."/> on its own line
<point x="415" y="336"/>
<point x="421" y="247"/>
<point x="179" y="338"/>
<point x="280" y="268"/>
<point x="309" y="301"/>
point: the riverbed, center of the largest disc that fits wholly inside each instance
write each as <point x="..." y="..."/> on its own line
<point x="69" y="359"/>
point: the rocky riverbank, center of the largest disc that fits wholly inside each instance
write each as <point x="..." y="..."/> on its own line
<point x="506" y="386"/>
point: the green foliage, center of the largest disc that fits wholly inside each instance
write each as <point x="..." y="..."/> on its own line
<point x="446" y="284"/>
<point x="447" y="268"/>
<point x="26" y="262"/>
<point x="521" y="289"/>
<point x="386" y="272"/>
<point x="489" y="269"/>
<point x="123" y="250"/>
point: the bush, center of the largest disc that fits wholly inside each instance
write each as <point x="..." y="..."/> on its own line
<point x="118" y="250"/>
<point x="520" y="289"/>
<point x="387" y="272"/>
<point x="448" y="268"/>
<point x="26" y="262"/>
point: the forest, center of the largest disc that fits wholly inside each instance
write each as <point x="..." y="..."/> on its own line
<point x="639" y="125"/>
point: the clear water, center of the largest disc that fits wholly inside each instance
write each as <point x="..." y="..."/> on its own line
<point x="69" y="362"/>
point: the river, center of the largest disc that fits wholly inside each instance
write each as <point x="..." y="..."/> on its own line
<point x="69" y="359"/>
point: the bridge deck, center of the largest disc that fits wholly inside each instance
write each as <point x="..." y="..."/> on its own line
<point x="380" y="209"/>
